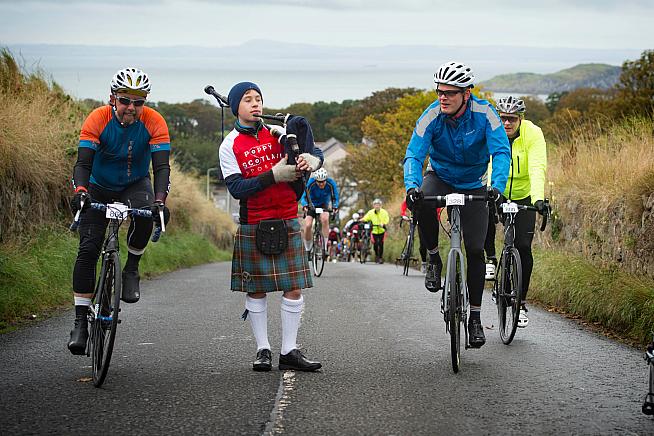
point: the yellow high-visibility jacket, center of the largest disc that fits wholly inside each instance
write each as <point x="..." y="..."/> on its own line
<point x="528" y="164"/>
<point x="377" y="219"/>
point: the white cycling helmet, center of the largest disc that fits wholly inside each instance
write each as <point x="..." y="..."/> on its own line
<point x="355" y="216"/>
<point x="132" y="81"/>
<point x="335" y="229"/>
<point x="511" y="105"/>
<point x="320" y="175"/>
<point x="455" y="74"/>
<point x="376" y="201"/>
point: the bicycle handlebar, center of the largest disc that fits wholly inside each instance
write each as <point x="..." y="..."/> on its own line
<point x="440" y="200"/>
<point x="144" y="213"/>
<point x="546" y="213"/>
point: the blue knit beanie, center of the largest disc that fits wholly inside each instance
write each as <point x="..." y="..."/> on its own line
<point x="236" y="94"/>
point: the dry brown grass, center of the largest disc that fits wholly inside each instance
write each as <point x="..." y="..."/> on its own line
<point x="37" y="138"/>
<point x="39" y="131"/>
<point x="606" y="167"/>
<point x="603" y="179"/>
<point x="191" y="210"/>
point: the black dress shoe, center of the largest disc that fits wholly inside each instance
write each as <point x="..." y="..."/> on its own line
<point x="476" y="333"/>
<point x="263" y="362"/>
<point x="78" y="336"/>
<point x="131" y="292"/>
<point x="297" y="361"/>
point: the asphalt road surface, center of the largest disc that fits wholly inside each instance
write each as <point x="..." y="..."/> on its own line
<point x="182" y="365"/>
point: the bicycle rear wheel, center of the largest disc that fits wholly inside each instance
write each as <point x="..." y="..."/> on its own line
<point x="107" y="305"/>
<point x="318" y="254"/>
<point x="508" y="293"/>
<point x="455" y="318"/>
<point x="409" y="250"/>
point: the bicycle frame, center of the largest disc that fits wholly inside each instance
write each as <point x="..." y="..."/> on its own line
<point x="456" y="275"/>
<point x="454" y="253"/>
<point x="110" y="246"/>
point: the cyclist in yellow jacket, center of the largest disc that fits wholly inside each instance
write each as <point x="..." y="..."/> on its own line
<point x="379" y="219"/>
<point x="526" y="185"/>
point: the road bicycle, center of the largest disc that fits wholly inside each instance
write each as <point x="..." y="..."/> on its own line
<point x="507" y="285"/>
<point x="454" y="299"/>
<point x="648" y="405"/>
<point x="318" y="252"/>
<point x="406" y="257"/>
<point x="103" y="313"/>
<point x="364" y="242"/>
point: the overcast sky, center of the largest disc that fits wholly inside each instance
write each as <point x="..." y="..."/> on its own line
<point x="608" y="24"/>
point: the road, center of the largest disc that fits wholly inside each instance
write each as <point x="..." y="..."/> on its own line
<point x="182" y="364"/>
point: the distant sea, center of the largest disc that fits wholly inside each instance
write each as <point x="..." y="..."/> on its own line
<point x="280" y="88"/>
<point x="287" y="73"/>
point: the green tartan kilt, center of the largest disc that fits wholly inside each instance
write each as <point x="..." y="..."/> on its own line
<point x="253" y="271"/>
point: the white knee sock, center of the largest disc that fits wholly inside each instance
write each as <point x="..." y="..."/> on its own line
<point x="291" y="313"/>
<point x="307" y="244"/>
<point x="258" y="313"/>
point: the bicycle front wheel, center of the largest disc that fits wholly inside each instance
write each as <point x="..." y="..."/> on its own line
<point x="318" y="254"/>
<point x="508" y="293"/>
<point x="455" y="318"/>
<point x="107" y="305"/>
<point x="365" y="247"/>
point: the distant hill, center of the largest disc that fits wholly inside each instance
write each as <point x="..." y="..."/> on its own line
<point x="600" y="76"/>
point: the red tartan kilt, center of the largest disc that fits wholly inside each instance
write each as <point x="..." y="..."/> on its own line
<point x="253" y="271"/>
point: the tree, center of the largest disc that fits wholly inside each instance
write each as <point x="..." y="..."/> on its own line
<point x="377" y="168"/>
<point x="537" y="112"/>
<point x="552" y="100"/>
<point x="636" y="85"/>
<point x="352" y="116"/>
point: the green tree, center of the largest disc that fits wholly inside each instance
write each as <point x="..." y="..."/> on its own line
<point x="349" y="122"/>
<point x="376" y="167"/>
<point x="552" y="100"/>
<point x="636" y="85"/>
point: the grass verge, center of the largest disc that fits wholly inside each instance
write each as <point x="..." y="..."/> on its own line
<point x="36" y="276"/>
<point x="605" y="296"/>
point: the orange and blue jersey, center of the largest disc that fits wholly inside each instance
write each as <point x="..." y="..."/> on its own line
<point x="122" y="154"/>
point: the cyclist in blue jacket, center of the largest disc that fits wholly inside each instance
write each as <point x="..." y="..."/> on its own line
<point x="459" y="132"/>
<point x="323" y="191"/>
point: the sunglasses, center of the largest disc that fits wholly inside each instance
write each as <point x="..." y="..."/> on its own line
<point x="510" y="119"/>
<point x="127" y="101"/>
<point x="448" y="94"/>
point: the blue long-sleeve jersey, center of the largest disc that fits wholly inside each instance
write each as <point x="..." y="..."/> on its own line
<point x="321" y="197"/>
<point x="459" y="150"/>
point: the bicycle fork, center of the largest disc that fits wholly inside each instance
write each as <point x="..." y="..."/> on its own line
<point x="452" y="275"/>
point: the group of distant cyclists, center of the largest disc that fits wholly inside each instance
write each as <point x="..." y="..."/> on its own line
<point x="472" y="147"/>
<point x="320" y="194"/>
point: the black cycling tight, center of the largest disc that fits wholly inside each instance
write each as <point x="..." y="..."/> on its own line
<point x="93" y="225"/>
<point x="378" y="244"/>
<point x="474" y="223"/>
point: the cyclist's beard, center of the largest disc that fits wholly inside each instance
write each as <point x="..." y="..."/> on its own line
<point x="129" y="117"/>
